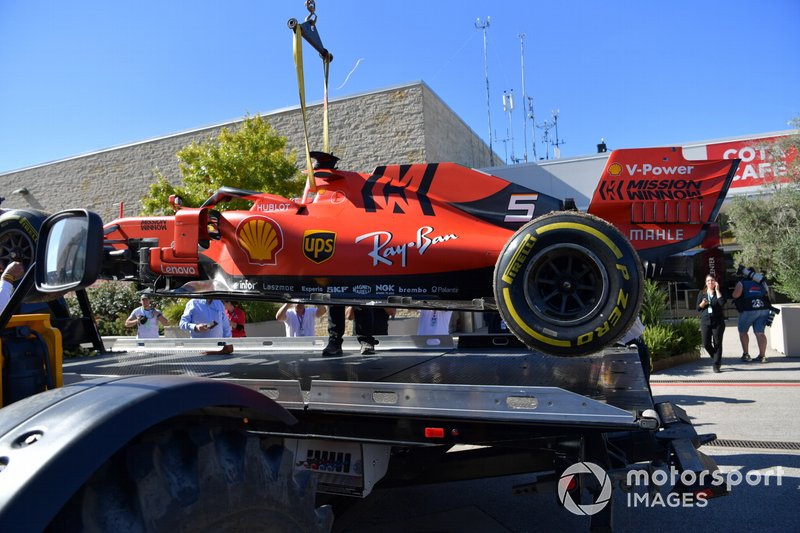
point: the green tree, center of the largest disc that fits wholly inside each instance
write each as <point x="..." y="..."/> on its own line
<point x="767" y="226"/>
<point x="252" y="156"/>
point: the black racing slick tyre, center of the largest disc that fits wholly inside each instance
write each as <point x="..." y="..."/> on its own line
<point x="196" y="479"/>
<point x="568" y="284"/>
<point x="19" y="233"/>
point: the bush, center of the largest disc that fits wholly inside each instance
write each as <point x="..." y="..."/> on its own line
<point x="112" y="303"/>
<point x="654" y="304"/>
<point x="689" y="331"/>
<point x="173" y="310"/>
<point x="662" y="340"/>
<point x="255" y="311"/>
<point x="665" y="339"/>
<point x="670" y="339"/>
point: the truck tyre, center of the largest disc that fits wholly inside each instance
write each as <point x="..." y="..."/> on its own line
<point x="568" y="284"/>
<point x="196" y="478"/>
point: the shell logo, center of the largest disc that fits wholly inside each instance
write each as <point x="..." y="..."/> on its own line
<point x="261" y="238"/>
<point x="615" y="169"/>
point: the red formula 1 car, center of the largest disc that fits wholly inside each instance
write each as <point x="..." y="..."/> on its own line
<point x="439" y="235"/>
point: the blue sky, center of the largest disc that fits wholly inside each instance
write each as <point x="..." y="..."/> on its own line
<point x="85" y="75"/>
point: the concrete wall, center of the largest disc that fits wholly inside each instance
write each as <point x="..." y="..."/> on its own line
<point x="404" y="124"/>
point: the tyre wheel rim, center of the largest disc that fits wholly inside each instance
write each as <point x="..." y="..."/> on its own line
<point x="565" y="284"/>
<point x="16" y="246"/>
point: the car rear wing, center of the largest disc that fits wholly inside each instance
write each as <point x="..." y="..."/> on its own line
<point x="661" y="201"/>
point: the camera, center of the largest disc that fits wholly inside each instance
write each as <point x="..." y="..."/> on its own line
<point x="773" y="312"/>
<point x="142" y="319"/>
<point x="749" y="273"/>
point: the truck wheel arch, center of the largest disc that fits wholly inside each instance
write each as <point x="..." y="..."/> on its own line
<point x="52" y="443"/>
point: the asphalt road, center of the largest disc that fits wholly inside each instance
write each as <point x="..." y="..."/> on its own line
<point x="753" y="409"/>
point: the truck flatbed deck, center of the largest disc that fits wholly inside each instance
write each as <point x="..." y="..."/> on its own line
<point x="480" y="377"/>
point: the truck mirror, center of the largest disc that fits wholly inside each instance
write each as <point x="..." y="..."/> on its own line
<point x="70" y="251"/>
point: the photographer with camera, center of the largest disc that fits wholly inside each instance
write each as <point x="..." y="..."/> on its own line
<point x="147" y="319"/>
<point x="751" y="297"/>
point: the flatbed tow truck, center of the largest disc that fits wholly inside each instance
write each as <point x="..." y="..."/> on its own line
<point x="267" y="435"/>
<point x="183" y="434"/>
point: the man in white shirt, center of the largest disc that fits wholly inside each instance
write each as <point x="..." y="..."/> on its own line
<point x="434" y="322"/>
<point x="147" y="319"/>
<point x="300" y="321"/>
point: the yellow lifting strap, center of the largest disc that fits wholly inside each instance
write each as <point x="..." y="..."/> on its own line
<point x="311" y="183"/>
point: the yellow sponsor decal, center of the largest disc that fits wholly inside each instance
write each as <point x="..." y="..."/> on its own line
<point x="518" y="259"/>
<point x="521" y="323"/>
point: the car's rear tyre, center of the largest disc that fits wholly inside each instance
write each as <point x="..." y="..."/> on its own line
<point x="196" y="478"/>
<point x="19" y="233"/>
<point x="568" y="284"/>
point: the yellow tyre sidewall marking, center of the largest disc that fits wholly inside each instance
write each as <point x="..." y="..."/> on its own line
<point x="519" y="322"/>
<point x="586" y="229"/>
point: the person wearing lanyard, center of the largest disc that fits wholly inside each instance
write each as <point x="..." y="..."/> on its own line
<point x="299" y="320"/>
<point x="710" y="304"/>
<point x="434" y="322"/>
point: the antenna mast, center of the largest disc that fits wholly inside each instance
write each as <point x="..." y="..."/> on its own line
<point x="533" y="126"/>
<point x="484" y="25"/>
<point x="557" y="143"/>
<point x="546" y="127"/>
<point x="524" y="118"/>
<point x="508" y="107"/>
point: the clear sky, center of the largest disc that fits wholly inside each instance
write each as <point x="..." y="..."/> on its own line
<point x="85" y="75"/>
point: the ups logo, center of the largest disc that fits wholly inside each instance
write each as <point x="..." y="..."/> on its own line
<point x="318" y="246"/>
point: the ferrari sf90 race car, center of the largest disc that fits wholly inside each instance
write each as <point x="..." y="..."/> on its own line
<point x="440" y="235"/>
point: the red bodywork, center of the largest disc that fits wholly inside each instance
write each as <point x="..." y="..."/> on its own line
<point x="425" y="232"/>
<point x="662" y="202"/>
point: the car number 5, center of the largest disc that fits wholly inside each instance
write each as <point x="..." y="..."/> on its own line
<point x="521" y="202"/>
